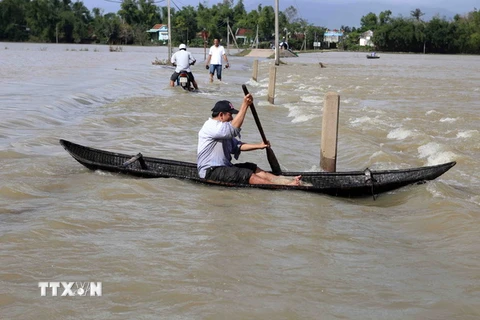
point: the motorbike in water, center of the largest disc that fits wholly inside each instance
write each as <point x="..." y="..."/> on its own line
<point x="184" y="81"/>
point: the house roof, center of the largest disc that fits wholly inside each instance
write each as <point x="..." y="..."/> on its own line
<point x="158" y="26"/>
<point x="367" y="33"/>
<point x="242" y="32"/>
<point x="298" y="35"/>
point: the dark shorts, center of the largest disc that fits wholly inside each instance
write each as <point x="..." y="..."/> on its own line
<point x="239" y="173"/>
<point x="175" y="76"/>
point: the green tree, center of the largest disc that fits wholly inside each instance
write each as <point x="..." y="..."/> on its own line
<point x="107" y="28"/>
<point x="239" y="11"/>
<point x="384" y="17"/>
<point x="13" y="23"/>
<point x="205" y="21"/>
<point x="437" y="35"/>
<point x="184" y="25"/>
<point x="82" y="21"/>
<point x="369" y="22"/>
<point x="398" y="36"/>
<point x="266" y="23"/>
<point x="43" y="18"/>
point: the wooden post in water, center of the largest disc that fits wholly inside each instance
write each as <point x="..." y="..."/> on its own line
<point x="328" y="148"/>
<point x="255" y="70"/>
<point x="271" y="84"/>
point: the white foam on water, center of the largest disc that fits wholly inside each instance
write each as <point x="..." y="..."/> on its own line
<point x="475" y="200"/>
<point x="368" y="121"/>
<point x="376" y="155"/>
<point x="298" y="114"/>
<point x="450" y="120"/>
<point x="467" y="134"/>
<point x="399" y="134"/>
<point x="361" y="120"/>
<point x="102" y="173"/>
<point x="261" y="92"/>
<point x="312" y="99"/>
<point x="430" y="112"/>
<point x="252" y="83"/>
<point x="303" y="118"/>
<point x="434" y="191"/>
<point x="435" y="153"/>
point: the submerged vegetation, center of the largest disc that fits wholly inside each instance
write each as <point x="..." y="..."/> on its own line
<point x="66" y="21"/>
<point x="161" y="62"/>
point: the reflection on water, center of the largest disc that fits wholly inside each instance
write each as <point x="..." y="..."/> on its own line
<point x="182" y="250"/>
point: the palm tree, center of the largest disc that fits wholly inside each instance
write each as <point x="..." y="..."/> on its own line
<point x="417" y="13"/>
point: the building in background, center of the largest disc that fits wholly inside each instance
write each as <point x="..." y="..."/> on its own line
<point x="245" y="35"/>
<point x="159" y="32"/>
<point x="366" y="39"/>
<point x="332" y="37"/>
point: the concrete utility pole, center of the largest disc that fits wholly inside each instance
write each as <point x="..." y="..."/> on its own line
<point x="228" y="38"/>
<point x="328" y="147"/>
<point x="277" y="58"/>
<point x="169" y="32"/>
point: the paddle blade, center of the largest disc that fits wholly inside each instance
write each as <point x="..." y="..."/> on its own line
<point x="272" y="160"/>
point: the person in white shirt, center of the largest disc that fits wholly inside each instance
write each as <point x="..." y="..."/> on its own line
<point x="217" y="143"/>
<point x="182" y="59"/>
<point x="214" y="60"/>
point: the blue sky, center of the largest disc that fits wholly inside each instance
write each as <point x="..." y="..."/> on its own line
<point x="330" y="13"/>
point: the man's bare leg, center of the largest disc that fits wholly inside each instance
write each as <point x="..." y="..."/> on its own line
<point x="273" y="179"/>
<point x="172" y="84"/>
<point x="257" y="179"/>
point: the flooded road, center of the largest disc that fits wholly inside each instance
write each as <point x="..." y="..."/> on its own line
<point x="170" y="249"/>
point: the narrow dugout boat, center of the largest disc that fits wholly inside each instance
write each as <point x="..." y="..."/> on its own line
<point x="342" y="184"/>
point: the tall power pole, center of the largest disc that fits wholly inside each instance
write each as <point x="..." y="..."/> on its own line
<point x="277" y="58"/>
<point x="228" y="38"/>
<point x="169" y="32"/>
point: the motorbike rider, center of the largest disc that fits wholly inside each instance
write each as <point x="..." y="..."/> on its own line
<point x="182" y="59"/>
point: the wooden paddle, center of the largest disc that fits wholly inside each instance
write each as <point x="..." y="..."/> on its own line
<point x="272" y="159"/>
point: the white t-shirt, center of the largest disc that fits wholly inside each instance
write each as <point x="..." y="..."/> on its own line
<point x="183" y="59"/>
<point x="216" y="144"/>
<point x="216" y="54"/>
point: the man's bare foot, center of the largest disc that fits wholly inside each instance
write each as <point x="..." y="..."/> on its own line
<point x="296" y="181"/>
<point x="306" y="184"/>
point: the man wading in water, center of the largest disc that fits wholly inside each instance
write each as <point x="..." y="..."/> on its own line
<point x="214" y="60"/>
<point x="217" y="143"/>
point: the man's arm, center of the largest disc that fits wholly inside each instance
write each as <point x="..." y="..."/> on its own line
<point x="209" y="57"/>
<point x="238" y="120"/>
<point x="251" y="146"/>
<point x="226" y="60"/>
<point x="191" y="59"/>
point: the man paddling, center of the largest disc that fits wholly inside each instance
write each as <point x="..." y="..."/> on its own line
<point x="217" y="143"/>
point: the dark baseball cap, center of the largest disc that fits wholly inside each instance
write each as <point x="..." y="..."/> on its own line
<point x="224" y="106"/>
